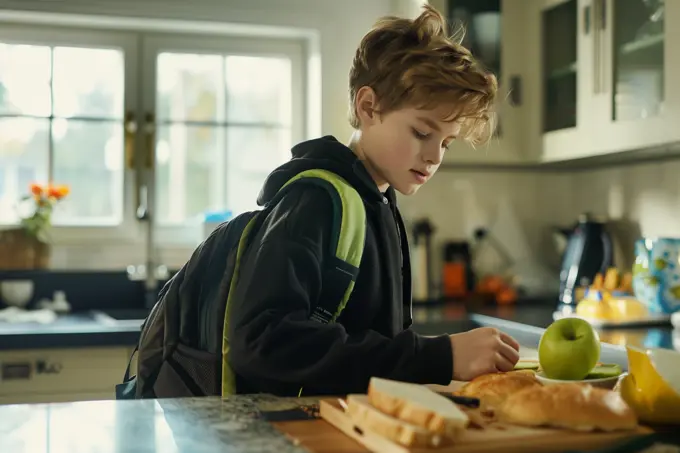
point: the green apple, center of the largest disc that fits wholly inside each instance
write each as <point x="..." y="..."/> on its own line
<point x="569" y="349"/>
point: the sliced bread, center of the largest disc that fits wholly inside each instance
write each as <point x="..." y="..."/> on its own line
<point x="417" y="405"/>
<point x="367" y="417"/>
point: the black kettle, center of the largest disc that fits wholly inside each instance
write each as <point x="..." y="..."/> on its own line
<point x="587" y="252"/>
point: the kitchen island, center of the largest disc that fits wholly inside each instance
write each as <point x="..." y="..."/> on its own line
<point x="238" y="424"/>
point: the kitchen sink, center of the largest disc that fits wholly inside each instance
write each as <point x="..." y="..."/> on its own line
<point x="121" y="316"/>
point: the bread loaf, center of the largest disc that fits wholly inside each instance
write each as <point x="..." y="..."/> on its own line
<point x="572" y="406"/>
<point x="492" y="389"/>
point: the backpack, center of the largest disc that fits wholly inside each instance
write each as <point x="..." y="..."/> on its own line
<point x="183" y="347"/>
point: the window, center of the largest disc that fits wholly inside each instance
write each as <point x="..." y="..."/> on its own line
<point x="224" y="122"/>
<point x="226" y="112"/>
<point x="60" y="123"/>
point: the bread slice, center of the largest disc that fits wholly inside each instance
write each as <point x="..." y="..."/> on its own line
<point x="417" y="405"/>
<point x="367" y="417"/>
<point x="570" y="405"/>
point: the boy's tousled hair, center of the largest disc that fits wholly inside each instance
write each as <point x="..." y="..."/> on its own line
<point x="416" y="63"/>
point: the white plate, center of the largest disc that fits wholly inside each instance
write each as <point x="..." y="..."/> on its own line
<point x="605" y="383"/>
<point x="656" y="319"/>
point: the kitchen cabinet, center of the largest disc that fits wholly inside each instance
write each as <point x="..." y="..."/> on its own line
<point x="494" y="34"/>
<point x="51" y="375"/>
<point x="603" y="77"/>
<point x="636" y="94"/>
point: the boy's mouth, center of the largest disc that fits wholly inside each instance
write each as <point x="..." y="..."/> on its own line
<point x="420" y="177"/>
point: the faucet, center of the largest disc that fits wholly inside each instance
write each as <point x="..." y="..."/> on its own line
<point x="148" y="272"/>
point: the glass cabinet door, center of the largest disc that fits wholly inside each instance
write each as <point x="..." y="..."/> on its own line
<point x="481" y="22"/>
<point x="638" y="59"/>
<point x="559" y="72"/>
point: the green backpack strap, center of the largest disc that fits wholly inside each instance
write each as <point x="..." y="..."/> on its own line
<point x="340" y="273"/>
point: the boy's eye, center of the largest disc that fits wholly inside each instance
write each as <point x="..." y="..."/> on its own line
<point x="419" y="135"/>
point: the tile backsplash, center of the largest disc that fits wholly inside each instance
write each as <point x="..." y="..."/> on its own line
<point x="458" y="202"/>
<point x="520" y="207"/>
<point x="645" y="193"/>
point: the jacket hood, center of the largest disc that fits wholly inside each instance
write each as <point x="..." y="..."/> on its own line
<point x="325" y="153"/>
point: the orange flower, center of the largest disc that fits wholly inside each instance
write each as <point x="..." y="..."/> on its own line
<point x="36" y="189"/>
<point x="57" y="192"/>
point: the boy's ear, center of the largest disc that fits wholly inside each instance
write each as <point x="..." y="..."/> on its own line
<point x="367" y="106"/>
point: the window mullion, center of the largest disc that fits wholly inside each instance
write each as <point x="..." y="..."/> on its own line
<point x="50" y="138"/>
<point x="223" y="152"/>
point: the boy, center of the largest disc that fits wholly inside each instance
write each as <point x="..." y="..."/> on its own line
<point x="413" y="91"/>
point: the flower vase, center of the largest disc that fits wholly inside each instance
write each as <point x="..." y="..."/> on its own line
<point x="20" y="250"/>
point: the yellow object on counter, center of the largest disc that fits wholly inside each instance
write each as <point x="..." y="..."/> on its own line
<point x="611" y="308"/>
<point x="592" y="309"/>
<point x="652" y="386"/>
<point x="627" y="309"/>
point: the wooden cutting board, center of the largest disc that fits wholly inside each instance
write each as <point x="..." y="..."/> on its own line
<point x="498" y="438"/>
<point x="336" y="433"/>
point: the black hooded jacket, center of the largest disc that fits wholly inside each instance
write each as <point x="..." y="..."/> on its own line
<point x="275" y="347"/>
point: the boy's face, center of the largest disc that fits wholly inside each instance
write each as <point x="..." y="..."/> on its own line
<point x="405" y="147"/>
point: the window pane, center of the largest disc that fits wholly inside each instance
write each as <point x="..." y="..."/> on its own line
<point x="259" y="90"/>
<point x="88" y="156"/>
<point x="23" y="159"/>
<point x="189" y="87"/>
<point x="189" y="172"/>
<point x="253" y="154"/>
<point x="24" y="80"/>
<point x="95" y="92"/>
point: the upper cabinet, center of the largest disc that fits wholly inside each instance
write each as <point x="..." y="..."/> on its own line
<point x="637" y="94"/>
<point x="493" y="32"/>
<point x="603" y="76"/>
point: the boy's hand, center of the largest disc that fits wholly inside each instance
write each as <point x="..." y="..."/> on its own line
<point x="481" y="351"/>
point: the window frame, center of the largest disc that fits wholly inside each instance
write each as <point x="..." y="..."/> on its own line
<point x="139" y="97"/>
<point x="156" y="43"/>
<point x="128" y="229"/>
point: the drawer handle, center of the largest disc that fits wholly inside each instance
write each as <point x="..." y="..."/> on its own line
<point x="42" y="367"/>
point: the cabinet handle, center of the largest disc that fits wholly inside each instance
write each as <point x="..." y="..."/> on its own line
<point x="601" y="47"/>
<point x="587" y="14"/>
<point x="150" y="130"/>
<point x="598" y="38"/>
<point x="130" y="127"/>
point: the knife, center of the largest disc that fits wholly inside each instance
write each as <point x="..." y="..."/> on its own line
<point x="462" y="400"/>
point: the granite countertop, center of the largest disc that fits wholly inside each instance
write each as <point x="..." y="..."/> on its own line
<point x="191" y="425"/>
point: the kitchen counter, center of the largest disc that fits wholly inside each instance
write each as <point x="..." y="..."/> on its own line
<point x="192" y="425"/>
<point x="184" y="425"/>
<point x="527" y="321"/>
<point x="536" y="317"/>
<point x="68" y="331"/>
